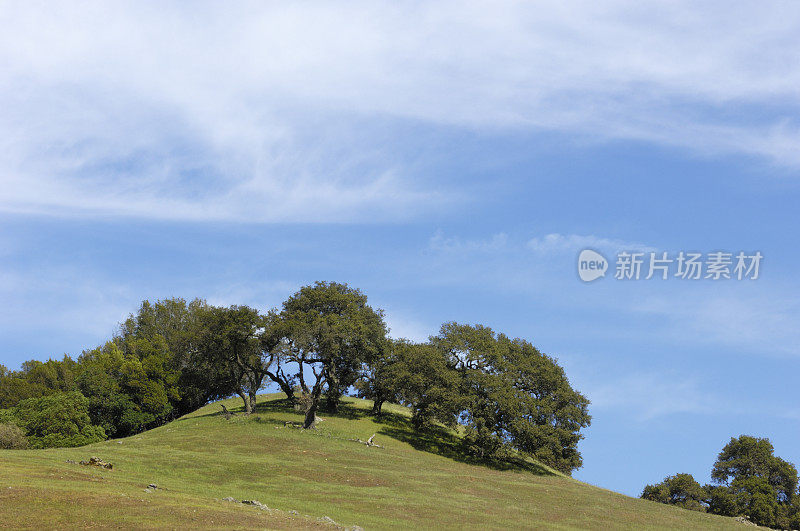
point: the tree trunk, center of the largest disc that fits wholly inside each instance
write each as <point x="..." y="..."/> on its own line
<point x="333" y="395"/>
<point x="247" y="406"/>
<point x="332" y="400"/>
<point x="311" y="412"/>
<point x="418" y="418"/>
<point x="252" y="400"/>
<point x="288" y="390"/>
<point x="311" y="415"/>
<point x="376" y="407"/>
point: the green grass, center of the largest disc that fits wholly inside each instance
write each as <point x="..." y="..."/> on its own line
<point x="414" y="482"/>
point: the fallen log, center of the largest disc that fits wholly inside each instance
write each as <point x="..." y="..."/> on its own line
<point x="368" y="442"/>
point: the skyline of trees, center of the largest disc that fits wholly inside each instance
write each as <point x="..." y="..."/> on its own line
<point x="173" y="356"/>
<point x="748" y="479"/>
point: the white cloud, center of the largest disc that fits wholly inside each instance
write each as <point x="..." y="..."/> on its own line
<point x="63" y="300"/>
<point x="555" y="242"/>
<point x="792" y="414"/>
<point x="647" y="396"/>
<point x="404" y="327"/>
<point x="440" y="242"/>
<point x="254" y="111"/>
<point x="763" y="321"/>
<point x="261" y="295"/>
<point x="746" y="317"/>
<point x="547" y="244"/>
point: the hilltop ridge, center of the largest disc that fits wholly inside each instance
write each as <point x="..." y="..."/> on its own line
<point x="307" y="479"/>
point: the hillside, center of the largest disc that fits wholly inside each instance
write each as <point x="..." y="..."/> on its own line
<point x="307" y="478"/>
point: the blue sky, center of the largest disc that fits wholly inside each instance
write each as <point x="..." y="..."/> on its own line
<point x="449" y="159"/>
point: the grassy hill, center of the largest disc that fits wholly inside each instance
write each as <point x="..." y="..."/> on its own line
<point x="304" y="477"/>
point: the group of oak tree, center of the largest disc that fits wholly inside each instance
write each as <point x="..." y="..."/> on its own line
<point x="173" y="357"/>
<point x="749" y="480"/>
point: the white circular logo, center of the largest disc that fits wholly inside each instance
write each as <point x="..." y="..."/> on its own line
<point x="591" y="265"/>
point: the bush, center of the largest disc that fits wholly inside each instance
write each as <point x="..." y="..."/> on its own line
<point x="58" y="420"/>
<point x="12" y="437"/>
<point x="7" y="417"/>
<point x="681" y="490"/>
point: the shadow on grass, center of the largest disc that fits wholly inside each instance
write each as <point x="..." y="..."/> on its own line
<point x="436" y="439"/>
<point x="282" y="405"/>
<point x="442" y="441"/>
<point x="275" y="405"/>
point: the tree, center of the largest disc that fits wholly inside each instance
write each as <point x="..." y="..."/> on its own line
<point x="516" y="397"/>
<point x="51" y="374"/>
<point x="753" y="482"/>
<point x="330" y="328"/>
<point x="275" y="354"/>
<point x="173" y="319"/>
<point x="7" y="417"/>
<point x="36" y="379"/>
<point x="58" y="420"/>
<point x="681" y="490"/>
<point x="179" y="324"/>
<point x="377" y="382"/>
<point x="131" y="384"/>
<point x="721" y="501"/>
<point x="755" y="457"/>
<point x="14" y="388"/>
<point x="420" y="378"/>
<point x="231" y="339"/>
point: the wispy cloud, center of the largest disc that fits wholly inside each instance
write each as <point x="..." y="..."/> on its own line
<point x="646" y="396"/>
<point x="548" y="244"/>
<point x="792" y="414"/>
<point x="255" y="111"/>
<point x="748" y="320"/>
<point x="552" y="243"/>
<point x="405" y="327"/>
<point x="747" y="317"/>
<point x="440" y="242"/>
<point x="65" y="301"/>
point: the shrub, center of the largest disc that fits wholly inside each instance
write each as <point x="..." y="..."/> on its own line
<point x="681" y="490"/>
<point x="58" y="420"/>
<point x="12" y="437"/>
<point x="7" y="417"/>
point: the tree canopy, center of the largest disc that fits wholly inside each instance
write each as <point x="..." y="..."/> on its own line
<point x="681" y="490"/>
<point x="230" y="340"/>
<point x="173" y="356"/>
<point x="753" y="481"/>
<point x="749" y="480"/>
<point x="58" y="419"/>
<point x="421" y="379"/>
<point x="331" y="331"/>
<point x="515" y="397"/>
